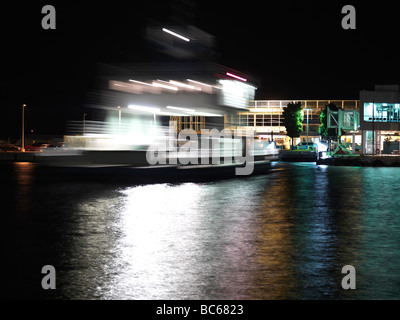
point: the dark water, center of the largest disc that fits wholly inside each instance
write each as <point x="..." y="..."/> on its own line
<point x="283" y="235"/>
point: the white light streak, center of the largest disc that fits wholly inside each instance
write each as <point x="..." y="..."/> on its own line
<point x="165" y="86"/>
<point x="140" y="82"/>
<point x="176" y="34"/>
<point x="180" y="84"/>
<point x="180" y="108"/>
<point x="235" y="76"/>
<point x="144" y="108"/>
<point x="167" y="113"/>
<point x="200" y="83"/>
<point x="207" y="114"/>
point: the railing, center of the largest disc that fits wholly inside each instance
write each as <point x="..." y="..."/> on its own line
<point x="313" y="104"/>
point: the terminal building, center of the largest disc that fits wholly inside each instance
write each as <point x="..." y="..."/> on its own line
<point x="265" y="118"/>
<point x="379" y="123"/>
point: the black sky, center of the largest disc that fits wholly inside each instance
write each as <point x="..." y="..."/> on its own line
<point x="297" y="48"/>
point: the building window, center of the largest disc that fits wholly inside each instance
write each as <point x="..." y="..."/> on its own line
<point x="250" y="121"/>
<point x="259" y="120"/>
<point x="381" y="112"/>
<point x="370" y="141"/>
<point x="243" y="120"/>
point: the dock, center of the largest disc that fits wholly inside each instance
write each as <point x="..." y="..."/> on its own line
<point x="16" y="156"/>
<point x="298" y="156"/>
<point x="362" y="161"/>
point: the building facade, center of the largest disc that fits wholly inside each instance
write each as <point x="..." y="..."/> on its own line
<point x="380" y="120"/>
<point x="265" y="118"/>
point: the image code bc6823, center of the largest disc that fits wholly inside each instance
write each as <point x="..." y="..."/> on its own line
<point x="231" y="309"/>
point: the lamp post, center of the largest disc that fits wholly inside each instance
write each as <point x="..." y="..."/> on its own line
<point x="119" y="119"/>
<point x="84" y="118"/>
<point x="308" y="109"/>
<point x="373" y="128"/>
<point x="23" y="128"/>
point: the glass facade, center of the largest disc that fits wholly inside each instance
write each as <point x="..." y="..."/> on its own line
<point x="382" y="112"/>
<point x="370" y="142"/>
<point x="261" y="120"/>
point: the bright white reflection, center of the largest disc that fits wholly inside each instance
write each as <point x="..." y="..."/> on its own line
<point x="163" y="241"/>
<point x="322" y="146"/>
<point x="157" y="225"/>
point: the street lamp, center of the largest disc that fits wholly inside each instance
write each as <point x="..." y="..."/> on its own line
<point x="119" y="119"/>
<point x="308" y="109"/>
<point x="23" y="128"/>
<point x="84" y="117"/>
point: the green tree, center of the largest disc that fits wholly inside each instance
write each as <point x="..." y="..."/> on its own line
<point x="293" y="119"/>
<point x="323" y="128"/>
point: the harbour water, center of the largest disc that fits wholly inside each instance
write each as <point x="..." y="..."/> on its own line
<point x="283" y="235"/>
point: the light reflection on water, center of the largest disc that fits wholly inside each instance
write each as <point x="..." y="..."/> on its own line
<point x="284" y="235"/>
<point x="185" y="251"/>
<point x="24" y="178"/>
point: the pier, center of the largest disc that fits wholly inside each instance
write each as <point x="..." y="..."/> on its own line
<point x="298" y="156"/>
<point x="18" y="156"/>
<point x="362" y="161"/>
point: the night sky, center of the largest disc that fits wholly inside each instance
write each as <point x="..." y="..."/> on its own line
<point x="298" y="49"/>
